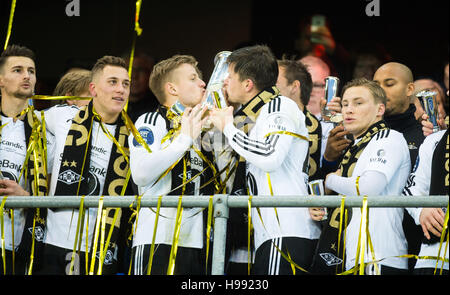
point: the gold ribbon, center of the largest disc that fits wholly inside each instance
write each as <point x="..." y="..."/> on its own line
<point x="176" y="232"/>
<point x="287" y="133"/>
<point x="97" y="229"/>
<point x="444" y="228"/>
<point x="249" y="253"/>
<point x="78" y="234"/>
<point x="59" y="97"/>
<point x="3" y="233"/>
<point x="208" y="228"/>
<point x="155" y="228"/>
<point x="10" y="22"/>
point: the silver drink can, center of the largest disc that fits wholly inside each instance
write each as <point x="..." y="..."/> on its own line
<point x="331" y="87"/>
<point x="316" y="188"/>
<point x="428" y="101"/>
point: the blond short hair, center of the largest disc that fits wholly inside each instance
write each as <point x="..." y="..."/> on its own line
<point x="161" y="73"/>
<point x="374" y="88"/>
<point x="73" y="83"/>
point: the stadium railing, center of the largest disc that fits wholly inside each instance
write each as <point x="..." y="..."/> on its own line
<point x="221" y="207"/>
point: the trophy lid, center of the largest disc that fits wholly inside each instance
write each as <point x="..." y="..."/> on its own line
<point x="426" y="93"/>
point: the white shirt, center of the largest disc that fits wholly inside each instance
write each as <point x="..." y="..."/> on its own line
<point x="147" y="167"/>
<point x="419" y="185"/>
<point x="13" y="148"/>
<point x="387" y="154"/>
<point x="62" y="223"/>
<point x="285" y="158"/>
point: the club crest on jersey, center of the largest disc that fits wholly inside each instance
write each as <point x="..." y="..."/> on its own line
<point x="330" y="259"/>
<point x="38" y="233"/>
<point x="147" y="135"/>
<point x="69" y="177"/>
<point x="188" y="175"/>
<point x="109" y="256"/>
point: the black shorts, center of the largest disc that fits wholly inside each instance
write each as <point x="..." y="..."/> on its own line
<point x="56" y="261"/>
<point x="269" y="261"/>
<point x="19" y="267"/>
<point x="189" y="261"/>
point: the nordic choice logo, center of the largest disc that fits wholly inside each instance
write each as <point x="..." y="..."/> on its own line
<point x="73" y="8"/>
<point x="373" y="8"/>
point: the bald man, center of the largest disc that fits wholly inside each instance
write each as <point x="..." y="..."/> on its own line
<point x="319" y="70"/>
<point x="397" y="81"/>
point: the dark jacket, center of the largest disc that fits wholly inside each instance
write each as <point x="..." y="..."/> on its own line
<point x="411" y="129"/>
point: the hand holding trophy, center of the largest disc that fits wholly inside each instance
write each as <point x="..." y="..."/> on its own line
<point x="428" y="101"/>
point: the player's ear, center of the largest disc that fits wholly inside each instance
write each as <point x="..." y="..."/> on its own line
<point x="381" y="109"/>
<point x="171" y="88"/>
<point x="92" y="89"/>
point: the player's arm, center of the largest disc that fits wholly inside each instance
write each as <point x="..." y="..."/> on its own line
<point x="146" y="167"/>
<point x="384" y="161"/>
<point x="430" y="219"/>
<point x="267" y="151"/>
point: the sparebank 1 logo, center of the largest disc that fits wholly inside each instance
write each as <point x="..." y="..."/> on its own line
<point x="373" y="8"/>
<point x="73" y="8"/>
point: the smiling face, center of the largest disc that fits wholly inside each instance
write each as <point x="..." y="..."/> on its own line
<point x="18" y="77"/>
<point x="110" y="89"/>
<point x="360" y="110"/>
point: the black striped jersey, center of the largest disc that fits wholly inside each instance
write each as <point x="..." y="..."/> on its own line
<point x="419" y="185"/>
<point x="147" y="167"/>
<point x="62" y="223"/>
<point x="386" y="153"/>
<point x="283" y="159"/>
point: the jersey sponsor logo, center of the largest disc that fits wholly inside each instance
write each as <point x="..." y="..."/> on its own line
<point x="99" y="150"/>
<point x="93" y="182"/>
<point x="147" y="135"/>
<point x="70" y="177"/>
<point x="380" y="159"/>
<point x="5" y="163"/>
<point x="15" y="145"/>
<point x="8" y="175"/>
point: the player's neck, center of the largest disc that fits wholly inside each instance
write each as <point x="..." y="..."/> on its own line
<point x="12" y="106"/>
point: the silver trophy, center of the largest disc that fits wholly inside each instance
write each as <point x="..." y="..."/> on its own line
<point x="331" y="87"/>
<point x="428" y="101"/>
<point x="214" y="93"/>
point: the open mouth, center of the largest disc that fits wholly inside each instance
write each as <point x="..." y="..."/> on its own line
<point x="119" y="99"/>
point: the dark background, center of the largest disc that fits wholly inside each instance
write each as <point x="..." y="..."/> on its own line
<point x="412" y="32"/>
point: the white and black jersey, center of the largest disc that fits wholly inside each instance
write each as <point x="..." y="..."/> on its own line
<point x="285" y="158"/>
<point x="62" y="223"/>
<point x="419" y="185"/>
<point x="13" y="149"/>
<point x="383" y="168"/>
<point x="147" y="167"/>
